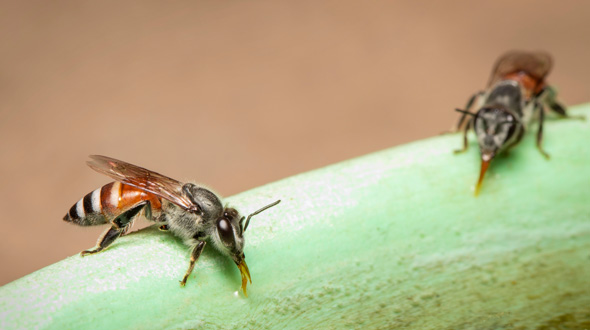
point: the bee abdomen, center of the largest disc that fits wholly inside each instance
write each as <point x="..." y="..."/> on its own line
<point x="88" y="210"/>
<point x="102" y="205"/>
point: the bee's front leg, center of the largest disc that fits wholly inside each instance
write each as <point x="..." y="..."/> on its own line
<point x="464" y="117"/>
<point x="194" y="257"/>
<point x="465" y="142"/>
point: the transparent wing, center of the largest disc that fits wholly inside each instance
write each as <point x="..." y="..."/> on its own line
<point x="537" y="64"/>
<point x="143" y="179"/>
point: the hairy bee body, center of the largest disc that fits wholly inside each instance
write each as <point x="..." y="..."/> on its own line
<point x="189" y="211"/>
<point x="105" y="204"/>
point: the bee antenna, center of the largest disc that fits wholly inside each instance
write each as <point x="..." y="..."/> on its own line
<point x="255" y="213"/>
<point x="465" y="112"/>
<point x="242" y="223"/>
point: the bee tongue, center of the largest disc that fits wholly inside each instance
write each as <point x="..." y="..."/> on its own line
<point x="245" y="272"/>
<point x="485" y="162"/>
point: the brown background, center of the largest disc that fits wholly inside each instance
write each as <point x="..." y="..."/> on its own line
<point x="236" y="94"/>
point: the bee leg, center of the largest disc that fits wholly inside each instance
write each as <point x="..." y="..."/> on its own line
<point x="120" y="225"/>
<point x="559" y="109"/>
<point x="463" y="117"/>
<point x="194" y="257"/>
<point x="107" y="238"/>
<point x="457" y="127"/>
<point x="539" y="107"/>
<point x="465" y="145"/>
<point x="550" y="96"/>
<point x="147" y="212"/>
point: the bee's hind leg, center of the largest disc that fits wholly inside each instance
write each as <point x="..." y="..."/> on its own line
<point x="549" y="95"/>
<point x="539" y="108"/>
<point x="120" y="226"/>
<point x="107" y="238"/>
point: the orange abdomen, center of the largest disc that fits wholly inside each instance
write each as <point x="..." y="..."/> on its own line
<point x="106" y="203"/>
<point x="532" y="85"/>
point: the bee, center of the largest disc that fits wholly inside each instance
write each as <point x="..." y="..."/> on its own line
<point x="189" y="211"/>
<point x="516" y="93"/>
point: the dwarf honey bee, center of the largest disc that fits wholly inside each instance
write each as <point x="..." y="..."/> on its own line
<point x="189" y="211"/>
<point x="516" y="93"/>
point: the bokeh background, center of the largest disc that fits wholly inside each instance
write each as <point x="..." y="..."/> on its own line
<point x="236" y="94"/>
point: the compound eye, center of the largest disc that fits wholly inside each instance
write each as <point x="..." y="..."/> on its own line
<point x="225" y="232"/>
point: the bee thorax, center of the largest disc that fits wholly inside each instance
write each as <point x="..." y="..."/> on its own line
<point x="207" y="201"/>
<point x="183" y="224"/>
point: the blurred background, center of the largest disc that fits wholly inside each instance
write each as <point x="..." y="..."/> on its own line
<point x="236" y="94"/>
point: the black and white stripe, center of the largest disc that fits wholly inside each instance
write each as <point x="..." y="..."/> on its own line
<point x="89" y="205"/>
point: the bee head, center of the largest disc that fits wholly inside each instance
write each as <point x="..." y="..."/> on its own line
<point x="495" y="127"/>
<point x="229" y="231"/>
<point x="228" y="236"/>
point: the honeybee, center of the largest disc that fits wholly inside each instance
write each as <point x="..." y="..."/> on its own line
<point x="190" y="211"/>
<point x="516" y="93"/>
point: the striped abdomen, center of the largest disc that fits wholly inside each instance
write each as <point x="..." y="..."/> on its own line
<point x="104" y="204"/>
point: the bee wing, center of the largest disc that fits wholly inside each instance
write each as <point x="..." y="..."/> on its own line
<point x="537" y="64"/>
<point x="143" y="179"/>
